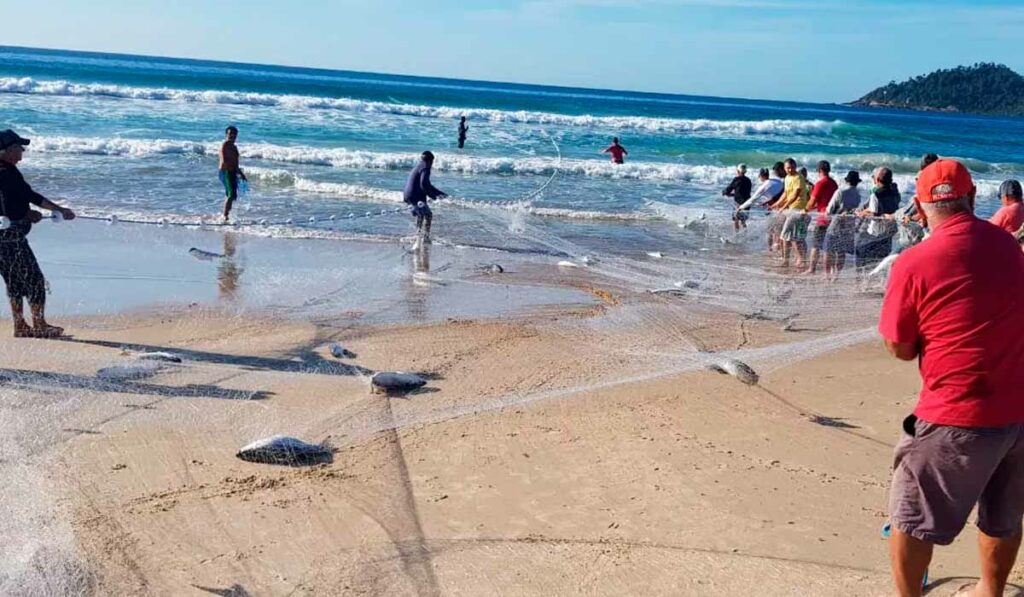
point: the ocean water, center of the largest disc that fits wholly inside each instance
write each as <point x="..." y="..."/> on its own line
<point x="138" y="137"/>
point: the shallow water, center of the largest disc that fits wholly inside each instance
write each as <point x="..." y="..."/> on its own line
<point x="139" y="137"/>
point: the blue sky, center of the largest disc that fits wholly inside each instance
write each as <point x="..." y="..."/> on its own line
<point x="813" y="50"/>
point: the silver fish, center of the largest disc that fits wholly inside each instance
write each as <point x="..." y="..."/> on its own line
<point x="281" y="449"/>
<point x="396" y="382"/>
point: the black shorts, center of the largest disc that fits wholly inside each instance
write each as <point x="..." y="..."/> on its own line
<point x="19" y="268"/>
<point x="422" y="210"/>
<point x="740" y="216"/>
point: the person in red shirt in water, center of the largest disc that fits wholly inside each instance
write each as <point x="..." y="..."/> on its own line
<point x="616" y="150"/>
<point x="1010" y="216"/>
<point x="955" y="303"/>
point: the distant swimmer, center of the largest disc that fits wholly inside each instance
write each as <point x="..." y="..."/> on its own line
<point x="230" y="171"/>
<point x="417" y="190"/>
<point x="739" y="190"/>
<point x="463" y="129"/>
<point x="616" y="150"/>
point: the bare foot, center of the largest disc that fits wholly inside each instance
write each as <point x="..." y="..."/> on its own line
<point x="23" y="330"/>
<point x="967" y="590"/>
<point x="45" y="330"/>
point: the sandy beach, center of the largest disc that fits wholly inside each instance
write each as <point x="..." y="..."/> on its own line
<point x="564" y="449"/>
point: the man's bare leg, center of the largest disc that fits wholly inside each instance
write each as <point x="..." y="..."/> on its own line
<point x="997" y="558"/>
<point x="785" y="253"/>
<point x="426" y="235"/>
<point x="227" y="208"/>
<point x="815" y="256"/>
<point x="39" y="324"/>
<point x="910" y="558"/>
<point x="21" y="327"/>
<point x="801" y="253"/>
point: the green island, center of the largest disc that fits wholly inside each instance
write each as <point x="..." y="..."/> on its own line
<point x="984" y="88"/>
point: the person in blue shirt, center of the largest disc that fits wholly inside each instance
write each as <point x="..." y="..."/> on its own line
<point x="418" y="189"/>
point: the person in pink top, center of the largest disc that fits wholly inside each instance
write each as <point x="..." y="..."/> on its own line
<point x="1010" y="216"/>
<point x="955" y="306"/>
<point x="616" y="150"/>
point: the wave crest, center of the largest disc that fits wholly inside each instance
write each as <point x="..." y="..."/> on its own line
<point x="30" y="86"/>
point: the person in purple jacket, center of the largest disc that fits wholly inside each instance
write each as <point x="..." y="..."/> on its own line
<point x="417" y="190"/>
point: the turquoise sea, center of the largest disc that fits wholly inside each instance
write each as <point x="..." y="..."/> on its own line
<point x="137" y="137"/>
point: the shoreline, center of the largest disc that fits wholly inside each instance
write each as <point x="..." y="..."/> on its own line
<point x="581" y="439"/>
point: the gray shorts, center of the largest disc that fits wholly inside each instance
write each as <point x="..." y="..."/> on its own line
<point x="941" y="472"/>
<point x="795" y="227"/>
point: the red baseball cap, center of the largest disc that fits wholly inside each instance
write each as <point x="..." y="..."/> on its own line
<point x="944" y="180"/>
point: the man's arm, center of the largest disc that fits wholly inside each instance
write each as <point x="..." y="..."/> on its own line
<point x="902" y="350"/>
<point x="428" y="188"/>
<point x="731" y="189"/>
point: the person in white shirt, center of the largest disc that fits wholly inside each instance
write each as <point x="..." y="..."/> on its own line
<point x="767" y="193"/>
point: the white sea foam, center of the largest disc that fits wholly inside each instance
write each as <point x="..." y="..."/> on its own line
<point x="378" y="195"/>
<point x="30" y="86"/>
<point x="371" y="160"/>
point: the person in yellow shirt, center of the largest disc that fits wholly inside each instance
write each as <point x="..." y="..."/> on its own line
<point x="794" y="200"/>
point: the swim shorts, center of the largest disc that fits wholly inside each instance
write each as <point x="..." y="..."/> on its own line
<point x="795" y="227"/>
<point x="941" y="472"/>
<point x="740" y="216"/>
<point x="424" y="210"/>
<point x="817" y="232"/>
<point x="18" y="265"/>
<point x="230" y="182"/>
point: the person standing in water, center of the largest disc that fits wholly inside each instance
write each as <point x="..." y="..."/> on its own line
<point x="822" y="193"/>
<point x="18" y="265"/>
<point x="230" y="171"/>
<point x="739" y="190"/>
<point x="417" y="190"/>
<point x="617" y="151"/>
<point x="463" y="129"/>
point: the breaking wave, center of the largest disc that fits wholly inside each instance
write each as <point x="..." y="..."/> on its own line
<point x="30" y="86"/>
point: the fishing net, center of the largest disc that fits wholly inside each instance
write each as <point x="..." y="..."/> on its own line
<point x="127" y="482"/>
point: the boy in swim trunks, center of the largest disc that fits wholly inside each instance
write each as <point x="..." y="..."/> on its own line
<point x="230" y="171"/>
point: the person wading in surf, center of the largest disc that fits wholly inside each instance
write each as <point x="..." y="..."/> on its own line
<point x="230" y="171"/>
<point x="18" y="263"/>
<point x="463" y="129"/>
<point x="417" y="189"/>
<point x="617" y="151"/>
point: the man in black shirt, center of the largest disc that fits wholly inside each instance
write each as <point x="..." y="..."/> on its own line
<point x="739" y="190"/>
<point x="18" y="265"/>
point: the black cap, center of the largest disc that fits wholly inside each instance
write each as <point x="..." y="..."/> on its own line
<point x="853" y="177"/>
<point x="1011" y="188"/>
<point x="9" y="138"/>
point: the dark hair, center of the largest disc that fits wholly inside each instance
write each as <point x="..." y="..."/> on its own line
<point x="763" y="173"/>
<point x="427" y="156"/>
<point x="615" y="139"/>
<point x="231" y="129"/>
<point x="802" y="172"/>
<point x="779" y="169"/>
<point x="790" y="161"/>
<point x="824" y="166"/>
<point x="885" y="176"/>
<point x="1010" y="188"/>
<point x="928" y="160"/>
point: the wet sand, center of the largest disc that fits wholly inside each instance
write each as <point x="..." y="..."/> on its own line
<point x="578" y="448"/>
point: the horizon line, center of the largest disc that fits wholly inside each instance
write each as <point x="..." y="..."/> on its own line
<point x="424" y="77"/>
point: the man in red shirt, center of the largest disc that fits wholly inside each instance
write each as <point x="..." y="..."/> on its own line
<point x="955" y="302"/>
<point x="821" y="195"/>
<point x="616" y="150"/>
<point x="1010" y="216"/>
